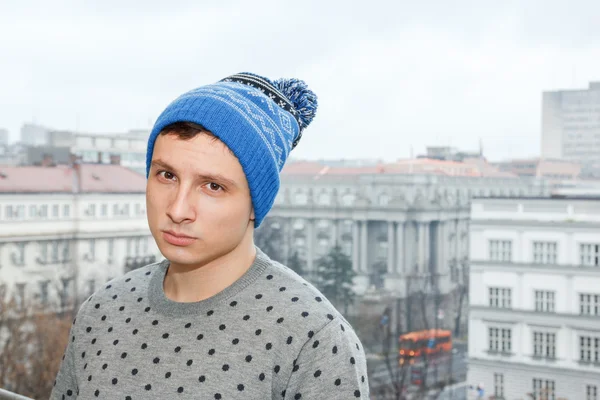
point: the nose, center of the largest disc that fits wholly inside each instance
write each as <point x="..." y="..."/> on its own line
<point x="180" y="209"/>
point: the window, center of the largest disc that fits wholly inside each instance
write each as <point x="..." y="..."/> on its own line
<point x="589" y="348"/>
<point x="126" y="209"/>
<point x="499" y="386"/>
<point x="500" y="250"/>
<point x="91" y="286"/>
<point x="54" y="251"/>
<point x="66" y="210"/>
<point x="64" y="293"/>
<point x="544" y="301"/>
<point x="15" y="212"/>
<point x="55" y="211"/>
<point x="589" y="254"/>
<point x="20" y="295"/>
<point x="91" y="211"/>
<point x="144" y="244"/>
<point x="104" y="210"/>
<point x="18" y="258"/>
<point x="93" y="248"/>
<point x="116" y="209"/>
<point x="589" y="304"/>
<point x="591" y="392"/>
<point x="137" y="243"/>
<point x="544" y="344"/>
<point x="111" y="250"/>
<point x="500" y="339"/>
<point x="43" y="211"/>
<point x="544" y="252"/>
<point x="44" y="292"/>
<point x="300" y="198"/>
<point x="500" y="297"/>
<point x="138" y="209"/>
<point x="543" y="389"/>
<point x="33" y="211"/>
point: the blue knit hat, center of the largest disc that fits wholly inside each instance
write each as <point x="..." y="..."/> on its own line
<point x="260" y="120"/>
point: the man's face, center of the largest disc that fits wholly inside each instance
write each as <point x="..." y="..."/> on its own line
<point x="197" y="199"/>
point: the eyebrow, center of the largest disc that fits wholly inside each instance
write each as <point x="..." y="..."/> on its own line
<point x="209" y="177"/>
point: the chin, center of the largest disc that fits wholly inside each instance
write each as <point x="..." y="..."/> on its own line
<point x="192" y="255"/>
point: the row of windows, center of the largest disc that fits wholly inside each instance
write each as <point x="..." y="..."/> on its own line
<point x="544" y="252"/>
<point x="15" y="212"/>
<point x="544" y="344"/>
<point x="544" y="301"/>
<point x="64" y="289"/>
<point x="58" y="251"/>
<point x="348" y="199"/>
<point x="542" y="389"/>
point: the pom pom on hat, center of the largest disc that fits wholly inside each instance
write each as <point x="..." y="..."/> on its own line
<point x="303" y="99"/>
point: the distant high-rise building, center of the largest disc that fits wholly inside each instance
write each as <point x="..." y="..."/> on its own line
<point x="34" y="135"/>
<point x="3" y="137"/>
<point x="571" y="125"/>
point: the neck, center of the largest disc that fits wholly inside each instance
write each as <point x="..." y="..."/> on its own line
<point x="184" y="284"/>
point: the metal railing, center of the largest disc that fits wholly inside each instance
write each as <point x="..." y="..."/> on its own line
<point x="6" y="395"/>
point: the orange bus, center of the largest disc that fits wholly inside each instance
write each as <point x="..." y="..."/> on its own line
<point x="432" y="341"/>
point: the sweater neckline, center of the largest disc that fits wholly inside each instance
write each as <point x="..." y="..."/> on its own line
<point x="162" y="304"/>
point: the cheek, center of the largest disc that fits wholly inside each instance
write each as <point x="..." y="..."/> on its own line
<point x="227" y="216"/>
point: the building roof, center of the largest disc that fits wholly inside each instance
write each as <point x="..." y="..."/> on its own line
<point x="93" y="178"/>
<point x="411" y="166"/>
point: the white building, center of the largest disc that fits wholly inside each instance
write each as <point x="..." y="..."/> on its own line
<point x="397" y="228"/>
<point x="571" y="124"/>
<point x="34" y="135"/>
<point x="128" y="148"/>
<point x="65" y="230"/>
<point x="534" y="322"/>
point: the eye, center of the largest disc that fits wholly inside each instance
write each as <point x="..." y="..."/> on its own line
<point x="166" y="174"/>
<point x="215" y="187"/>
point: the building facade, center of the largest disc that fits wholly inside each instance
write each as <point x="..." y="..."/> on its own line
<point x="534" y="319"/>
<point x="571" y="125"/>
<point x="65" y="231"/>
<point x="403" y="232"/>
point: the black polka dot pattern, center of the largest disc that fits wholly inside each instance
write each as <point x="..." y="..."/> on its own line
<point x="268" y="333"/>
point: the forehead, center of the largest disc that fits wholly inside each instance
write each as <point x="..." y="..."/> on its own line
<point x="201" y="155"/>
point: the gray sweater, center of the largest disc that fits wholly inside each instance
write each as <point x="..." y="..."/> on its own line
<point x="270" y="335"/>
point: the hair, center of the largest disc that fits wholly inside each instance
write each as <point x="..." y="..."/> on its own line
<point x="188" y="130"/>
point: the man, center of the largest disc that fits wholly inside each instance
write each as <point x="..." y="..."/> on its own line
<point x="217" y="319"/>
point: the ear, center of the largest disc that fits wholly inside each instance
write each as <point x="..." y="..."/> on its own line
<point x="252" y="216"/>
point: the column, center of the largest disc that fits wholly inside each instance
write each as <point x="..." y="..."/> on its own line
<point x="400" y="248"/>
<point x="363" y="247"/>
<point x="355" y="245"/>
<point x="426" y="247"/>
<point x="420" y="252"/>
<point x="310" y="245"/>
<point x="335" y="230"/>
<point x="458" y="241"/>
<point x="391" y="247"/>
<point x="442" y="256"/>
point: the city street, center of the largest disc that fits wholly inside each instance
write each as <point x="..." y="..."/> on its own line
<point x="440" y="368"/>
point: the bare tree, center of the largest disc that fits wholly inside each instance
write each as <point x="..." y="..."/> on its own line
<point x="33" y="338"/>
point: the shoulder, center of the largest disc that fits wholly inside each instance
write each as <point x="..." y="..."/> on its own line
<point x="133" y="282"/>
<point x="298" y="302"/>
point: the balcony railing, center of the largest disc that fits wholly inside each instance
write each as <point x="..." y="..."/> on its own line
<point x="132" y="263"/>
<point x="6" y="395"/>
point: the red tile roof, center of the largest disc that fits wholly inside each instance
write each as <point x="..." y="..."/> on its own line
<point x="94" y="178"/>
<point x="413" y="166"/>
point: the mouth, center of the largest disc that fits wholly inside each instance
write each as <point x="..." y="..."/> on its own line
<point x="178" y="239"/>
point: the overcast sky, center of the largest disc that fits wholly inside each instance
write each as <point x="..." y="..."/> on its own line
<point x="390" y="75"/>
